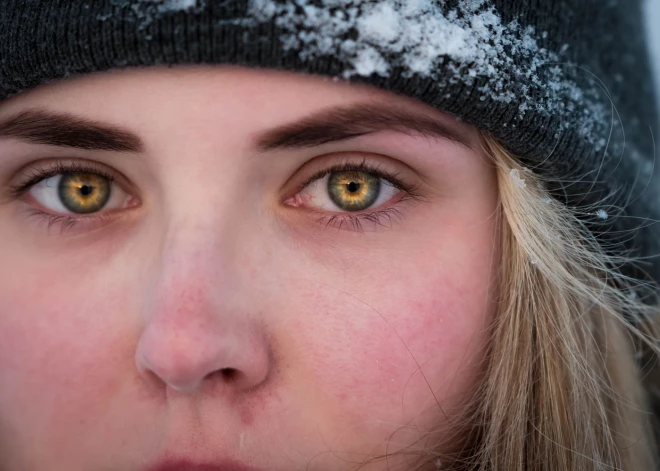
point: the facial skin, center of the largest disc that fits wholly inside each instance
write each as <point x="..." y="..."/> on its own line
<point x="218" y="312"/>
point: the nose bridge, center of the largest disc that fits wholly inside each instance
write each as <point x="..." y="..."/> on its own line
<point x="195" y="268"/>
<point x="197" y="326"/>
<point x="200" y="251"/>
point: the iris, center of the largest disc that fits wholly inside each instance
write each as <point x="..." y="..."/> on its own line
<point x="83" y="192"/>
<point x="353" y="190"/>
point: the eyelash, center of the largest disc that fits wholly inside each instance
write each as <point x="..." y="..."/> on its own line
<point x="40" y="173"/>
<point x="379" y="217"/>
<point x="66" y="223"/>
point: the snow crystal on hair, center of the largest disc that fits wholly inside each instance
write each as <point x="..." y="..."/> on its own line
<point x="515" y="176"/>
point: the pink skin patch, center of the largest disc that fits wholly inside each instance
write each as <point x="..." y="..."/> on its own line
<point x="215" y="320"/>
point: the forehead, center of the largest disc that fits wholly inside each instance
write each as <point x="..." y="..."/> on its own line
<point x="210" y="82"/>
<point x="204" y="89"/>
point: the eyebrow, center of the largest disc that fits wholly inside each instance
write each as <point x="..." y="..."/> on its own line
<point x="331" y="125"/>
<point x="341" y="123"/>
<point x="66" y="130"/>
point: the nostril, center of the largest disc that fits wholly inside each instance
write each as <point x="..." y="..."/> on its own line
<point x="229" y="374"/>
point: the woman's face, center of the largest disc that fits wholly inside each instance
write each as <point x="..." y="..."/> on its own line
<point x="245" y="268"/>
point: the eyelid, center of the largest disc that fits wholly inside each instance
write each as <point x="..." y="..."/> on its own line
<point x="395" y="173"/>
<point x="405" y="177"/>
<point x="34" y="172"/>
<point x="19" y="191"/>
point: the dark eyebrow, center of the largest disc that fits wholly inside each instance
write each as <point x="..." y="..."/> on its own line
<point x="66" y="130"/>
<point x="336" y="124"/>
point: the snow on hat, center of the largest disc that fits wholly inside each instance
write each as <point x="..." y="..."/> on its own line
<point x="565" y="85"/>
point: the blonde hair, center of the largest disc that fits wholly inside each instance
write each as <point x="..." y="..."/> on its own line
<point x="561" y="389"/>
<point x="561" y="386"/>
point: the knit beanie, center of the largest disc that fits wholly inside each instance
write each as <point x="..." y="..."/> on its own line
<point x="564" y="85"/>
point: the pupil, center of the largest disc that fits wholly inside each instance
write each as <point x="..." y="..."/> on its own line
<point x="353" y="187"/>
<point x="86" y="190"/>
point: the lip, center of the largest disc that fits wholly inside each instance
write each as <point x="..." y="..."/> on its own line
<point x="186" y="465"/>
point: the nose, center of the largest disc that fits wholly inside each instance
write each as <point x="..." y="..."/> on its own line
<point x="199" y="330"/>
<point x="186" y="354"/>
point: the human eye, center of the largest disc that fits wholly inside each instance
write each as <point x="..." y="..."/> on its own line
<point x="356" y="194"/>
<point x="68" y="195"/>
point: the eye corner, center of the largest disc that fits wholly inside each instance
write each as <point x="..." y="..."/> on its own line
<point x="96" y="195"/>
<point x="381" y="210"/>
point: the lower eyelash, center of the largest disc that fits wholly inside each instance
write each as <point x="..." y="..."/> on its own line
<point x="65" y="223"/>
<point x="380" y="218"/>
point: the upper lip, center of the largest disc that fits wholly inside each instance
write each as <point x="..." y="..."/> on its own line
<point x="188" y="465"/>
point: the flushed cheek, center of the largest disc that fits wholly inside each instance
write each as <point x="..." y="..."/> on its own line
<point x="379" y="366"/>
<point x="61" y="358"/>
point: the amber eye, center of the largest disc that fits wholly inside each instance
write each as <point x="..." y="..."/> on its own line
<point x="83" y="192"/>
<point x="353" y="190"/>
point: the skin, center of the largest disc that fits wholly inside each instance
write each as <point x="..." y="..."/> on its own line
<point x="215" y="318"/>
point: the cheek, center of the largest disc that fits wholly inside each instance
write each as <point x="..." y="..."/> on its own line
<point x="59" y="333"/>
<point x="386" y="358"/>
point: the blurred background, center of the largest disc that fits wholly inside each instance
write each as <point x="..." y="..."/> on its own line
<point x="653" y="28"/>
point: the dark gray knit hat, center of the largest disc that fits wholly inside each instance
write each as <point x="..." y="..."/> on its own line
<point x="563" y="84"/>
